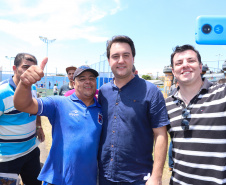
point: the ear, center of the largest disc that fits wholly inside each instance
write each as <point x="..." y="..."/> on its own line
<point x="200" y="66"/>
<point x="173" y="72"/>
<point x="14" y="68"/>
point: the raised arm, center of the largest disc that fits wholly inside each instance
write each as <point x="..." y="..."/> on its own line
<point x="23" y="100"/>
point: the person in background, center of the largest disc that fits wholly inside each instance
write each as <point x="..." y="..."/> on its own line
<point x="222" y="81"/>
<point x="135" y="117"/>
<point x="70" y="72"/>
<point x="19" y="152"/>
<point x="55" y="90"/>
<point x="134" y="70"/>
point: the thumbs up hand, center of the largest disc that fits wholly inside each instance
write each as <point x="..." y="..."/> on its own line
<point x="33" y="74"/>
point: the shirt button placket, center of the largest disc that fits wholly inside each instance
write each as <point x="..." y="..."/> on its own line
<point x="113" y="139"/>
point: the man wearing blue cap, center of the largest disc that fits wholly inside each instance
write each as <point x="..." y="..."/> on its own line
<point x="76" y="121"/>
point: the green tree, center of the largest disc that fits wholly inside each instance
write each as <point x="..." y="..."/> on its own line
<point x="146" y="77"/>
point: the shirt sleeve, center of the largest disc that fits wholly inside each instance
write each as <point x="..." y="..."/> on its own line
<point x="158" y="112"/>
<point x="2" y="106"/>
<point x="47" y="107"/>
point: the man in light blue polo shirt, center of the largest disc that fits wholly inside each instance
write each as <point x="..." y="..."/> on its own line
<point x="76" y="126"/>
<point x="18" y="143"/>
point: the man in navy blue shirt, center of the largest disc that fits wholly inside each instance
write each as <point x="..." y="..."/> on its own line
<point x="135" y="116"/>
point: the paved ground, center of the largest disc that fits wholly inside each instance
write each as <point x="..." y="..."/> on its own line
<point x="45" y="147"/>
<point x="44" y="152"/>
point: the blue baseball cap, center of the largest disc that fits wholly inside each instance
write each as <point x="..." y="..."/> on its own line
<point x="84" y="68"/>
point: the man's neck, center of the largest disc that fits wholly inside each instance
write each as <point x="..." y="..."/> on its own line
<point x="88" y="102"/>
<point x="71" y="84"/>
<point x="188" y="92"/>
<point x="15" y="80"/>
<point x="120" y="82"/>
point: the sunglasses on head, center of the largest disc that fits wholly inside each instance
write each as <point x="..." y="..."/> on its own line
<point x="185" y="122"/>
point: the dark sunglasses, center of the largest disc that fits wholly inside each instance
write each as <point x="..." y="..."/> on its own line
<point x="185" y="122"/>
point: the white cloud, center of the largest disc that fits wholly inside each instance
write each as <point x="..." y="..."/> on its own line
<point x="71" y="19"/>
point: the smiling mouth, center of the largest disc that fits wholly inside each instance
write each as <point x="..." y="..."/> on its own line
<point x="187" y="72"/>
<point x="121" y="67"/>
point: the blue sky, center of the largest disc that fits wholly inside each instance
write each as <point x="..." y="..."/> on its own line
<point x="82" y="27"/>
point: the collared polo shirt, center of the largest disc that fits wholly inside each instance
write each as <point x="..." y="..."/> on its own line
<point x="199" y="153"/>
<point x="130" y="114"/>
<point x="17" y="129"/>
<point x="76" y="132"/>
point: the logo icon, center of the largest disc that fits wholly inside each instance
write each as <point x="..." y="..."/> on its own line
<point x="73" y="113"/>
<point x="100" y="118"/>
<point x="218" y="29"/>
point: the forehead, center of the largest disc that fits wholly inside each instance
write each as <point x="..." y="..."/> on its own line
<point x="185" y="55"/>
<point x="71" y="71"/>
<point x="86" y="74"/>
<point x="27" y="62"/>
<point x="120" y="47"/>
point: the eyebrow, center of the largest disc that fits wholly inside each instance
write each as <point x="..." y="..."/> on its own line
<point x="187" y="59"/>
<point x="26" y="65"/>
<point x="122" y="53"/>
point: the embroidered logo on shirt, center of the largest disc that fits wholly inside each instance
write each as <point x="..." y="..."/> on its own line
<point x="100" y="118"/>
<point x="73" y="113"/>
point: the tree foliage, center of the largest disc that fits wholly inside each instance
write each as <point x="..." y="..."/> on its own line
<point x="146" y="77"/>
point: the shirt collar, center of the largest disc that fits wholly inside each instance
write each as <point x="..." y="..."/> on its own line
<point x="131" y="81"/>
<point x="205" y="86"/>
<point x="73" y="97"/>
<point x="11" y="82"/>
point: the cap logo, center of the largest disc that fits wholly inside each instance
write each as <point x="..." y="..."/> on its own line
<point x="84" y="67"/>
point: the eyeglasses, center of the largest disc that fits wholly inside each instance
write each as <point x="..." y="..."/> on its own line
<point x="185" y="122"/>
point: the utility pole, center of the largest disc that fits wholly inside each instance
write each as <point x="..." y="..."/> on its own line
<point x="47" y="41"/>
<point x="219" y="55"/>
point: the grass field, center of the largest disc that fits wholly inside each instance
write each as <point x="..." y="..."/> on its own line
<point x="41" y="91"/>
<point x="48" y="142"/>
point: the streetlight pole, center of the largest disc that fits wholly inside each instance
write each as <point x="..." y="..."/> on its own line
<point x="219" y="55"/>
<point x="47" y="41"/>
<point x="104" y="54"/>
<point x="9" y="58"/>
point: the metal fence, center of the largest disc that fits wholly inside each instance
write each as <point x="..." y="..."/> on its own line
<point x="105" y="76"/>
<point x="104" y="70"/>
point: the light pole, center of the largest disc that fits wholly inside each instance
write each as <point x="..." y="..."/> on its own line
<point x="104" y="54"/>
<point x="9" y="58"/>
<point x="47" y="41"/>
<point x="219" y="55"/>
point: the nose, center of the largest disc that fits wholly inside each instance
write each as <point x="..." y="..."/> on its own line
<point x="121" y="59"/>
<point x="185" y="63"/>
<point x="87" y="81"/>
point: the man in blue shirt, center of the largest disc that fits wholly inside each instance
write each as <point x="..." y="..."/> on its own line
<point x="18" y="142"/>
<point x="76" y="127"/>
<point x="135" y="116"/>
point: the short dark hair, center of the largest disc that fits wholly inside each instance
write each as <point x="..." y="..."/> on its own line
<point x="133" y="69"/>
<point x="20" y="56"/>
<point x="179" y="49"/>
<point x="122" y="39"/>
